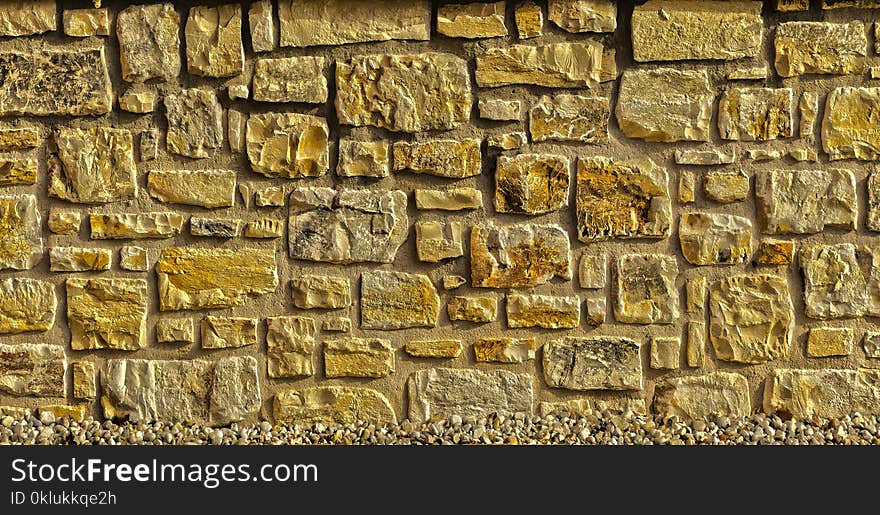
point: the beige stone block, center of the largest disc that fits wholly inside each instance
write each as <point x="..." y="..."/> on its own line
<point x="756" y="114"/>
<point x="397" y="300"/>
<point x="19" y="138"/>
<point x="504" y="350"/>
<point x="507" y="140"/>
<point x="665" y="352"/>
<point x="358" y="357"/>
<point x="221" y="332"/>
<point x="26" y="18"/>
<point x="107" y="313"/>
<point x="715" y="238"/>
<point x="687" y="187"/>
<point x="26" y="304"/>
<point x="264" y="227"/>
<point x="32" y="370"/>
<point x="695" y="294"/>
<point x="477" y="20"/>
<point x="175" y="330"/>
<point x="339" y="22"/>
<point x="804" y="394"/>
<point x="583" y="15"/>
<point x="213" y="41"/>
<point x="454" y="159"/>
<point x="592" y="271"/>
<point x="645" y="291"/>
<point x="567" y="117"/>
<point x="808" y="47"/>
<point x="363" y="158"/>
<point x="195" y="123"/>
<point x="143" y="225"/>
<point x="480" y="309"/>
<point x="332" y="405"/>
<point x="290" y="79"/>
<point x="436" y="241"/>
<point x="809" y="112"/>
<point x="441" y="349"/>
<point x="726" y="186"/>
<point x="64" y="222"/>
<point x="83" y="23"/>
<point x="452" y="199"/>
<point x="138" y="101"/>
<point x="204" y="188"/>
<point x="149" y="42"/>
<point x="597" y="311"/>
<point x="705" y="157"/>
<point x="214" y="227"/>
<point x="94" y="166"/>
<point x="519" y="255"/>
<point x="595" y="363"/>
<point x="288" y="145"/>
<point x="262" y="26"/>
<point x="554" y="65"/>
<point x="696" y="343"/>
<point x="500" y="109"/>
<point x="775" y="252"/>
<point x="321" y="292"/>
<point x="85" y="385"/>
<point x="468" y="393"/>
<point x="16" y="172"/>
<point x="529" y="19"/>
<point x="805" y="201"/>
<point x="531" y="183"/>
<point x="336" y="324"/>
<point x="290" y="342"/>
<point x="824" y="342"/>
<point x="545" y="311"/>
<point x="835" y="285"/>
<point x="79" y="259"/>
<point x="21" y="240"/>
<point x="847" y="126"/>
<point x="718" y="394"/>
<point x="452" y="282"/>
<point x="270" y="196"/>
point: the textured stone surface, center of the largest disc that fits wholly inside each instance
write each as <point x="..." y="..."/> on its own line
<point x="820" y="47"/>
<point x="85" y="385"/>
<point x="363" y="159"/>
<point x="107" y="313"/>
<point x="262" y="26"/>
<point x="64" y="222"/>
<point x="674" y="30"/>
<point x="645" y="291"/>
<point x="403" y="92"/>
<point x="570" y="118"/>
<point x="824" y="342"/>
<point x="26" y="305"/>
<point x="499" y="109"/>
<point x="477" y="20"/>
<point x="287" y="145"/>
<point x="358" y="357"/>
<point x="848" y="126"/>
<point x="95" y="166"/>
<point x="583" y="15"/>
<point x="436" y="241"/>
<point x="696" y="344"/>
<point x="175" y="330"/>
<point x="554" y="65"/>
<point x="452" y="159"/>
<point x="715" y="239"/>
<point x="597" y="363"/>
<point x="834" y="284"/>
<point x="33" y="370"/>
<point x="545" y="311"/>
<point x="717" y="394"/>
<point x="332" y="405"/>
<point x="805" y="201"/>
<point x="480" y="309"/>
<point x="397" y="300"/>
<point x="337" y="22"/>
<point x="504" y="350"/>
<point x="529" y="19"/>
<point x="195" y="122"/>
<point x="665" y="352"/>
<point x="118" y="226"/>
<point x="531" y="183"/>
<point x="85" y="22"/>
<point x="592" y="272"/>
<point x="205" y="188"/>
<point x="445" y="349"/>
<point x="290" y="79"/>
<point x="468" y="393"/>
<point x="19" y="18"/>
<point x="822" y="393"/>
<point x="79" y="259"/>
<point x="213" y="41"/>
<point x="321" y="292"/>
<point x="518" y="255"/>
<point x="726" y="186"/>
<point x="751" y="318"/>
<point x="149" y="42"/>
<point x="704" y="157"/>
<point x="220" y="332"/>
<point x="756" y="114"/>
<point x="21" y="241"/>
<point x="452" y="199"/>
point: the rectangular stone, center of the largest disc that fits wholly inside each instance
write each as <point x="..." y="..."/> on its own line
<point x="288" y="145"/>
<point x="567" y="117"/>
<point x="718" y="394"/>
<point x="545" y="311"/>
<point x="321" y="292"/>
<point x="808" y="106"/>
<point x="84" y="380"/>
<point x="93" y="166"/>
<point x="453" y="199"/>
<point x="15" y="172"/>
<point x="696" y="343"/>
<point x="290" y="342"/>
<point x="34" y="370"/>
<point x="107" y="313"/>
<point x="583" y="15"/>
<point x="398" y="300"/>
<point x="715" y="238"/>
<point x="195" y="122"/>
<point x="437" y="241"/>
<point x="19" y="138"/>
<point x="480" y="309"/>
<point x="78" y="259"/>
<point x="64" y="222"/>
<point x="121" y="226"/>
<point x="813" y="47"/>
<point x="499" y="109"/>
<point x="264" y="227"/>
<point x="835" y="284"/>
<point x="824" y="342"/>
<point x="338" y="22"/>
<point x="26" y="305"/>
<point x="214" y="227"/>
<point x="332" y="405"/>
<point x="665" y="352"/>
<point x="336" y="324"/>
<point x="358" y="357"/>
<point x="363" y="158"/>
<point x="201" y="278"/>
<point x="597" y="363"/>
<point x="476" y="20"/>
<point x="726" y="186"/>
<point x="518" y="255"/>
<point x="444" y="349"/>
<point x="675" y="30"/>
<point x="695" y="294"/>
<point x="454" y="159"/>
<point x="290" y="79"/>
<point x="805" y="201"/>
<point x="707" y="157"/>
<point x="82" y="23"/>
<point x="531" y="183"/>
<point x="504" y="350"/>
<point x="756" y="114"/>
<point x="175" y="330"/>
<point x="149" y="42"/>
<point x="204" y="188"/>
<point x="21" y="240"/>
<point x="213" y="41"/>
<point x="592" y="271"/>
<point x="847" y="126"/>
<point x="468" y="393"/>
<point x="822" y="393"/>
<point x="26" y="18"/>
<point x="228" y="332"/>
<point x="554" y="65"/>
<point x="645" y="291"/>
<point x="262" y="26"/>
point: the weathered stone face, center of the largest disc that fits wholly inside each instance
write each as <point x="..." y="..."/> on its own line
<point x="622" y="200"/>
<point x="665" y="104"/>
<point x="363" y="159"/>
<point x="673" y="30"/>
<point x="107" y="313"/>
<point x="262" y="26"/>
<point x="195" y="122"/>
<point x="228" y="332"/>
<point x="592" y="272"/>
<point x="820" y="47"/>
<point x="645" y="290"/>
<point x="825" y="342"/>
<point x="805" y="201"/>
<point x="442" y="349"/>
<point x="291" y="345"/>
<point x="84" y="383"/>
<point x="715" y="239"/>
<point x="436" y="241"/>
<point x="118" y="226"/>
<point x="555" y="65"/>
<point x="477" y="20"/>
<point x="290" y="79"/>
<point x="397" y="300"/>
<point x="79" y="259"/>
<point x="213" y="41"/>
<point x="321" y="292"/>
<point x="598" y="363"/>
<point x="499" y="109"/>
<point x="33" y="370"/>
<point x="95" y="166"/>
<point x="822" y="393"/>
<point x="583" y="15"/>
<point x="453" y="199"/>
<point x="751" y="318"/>
<point x="482" y="309"/>
<point x="205" y="188"/>
<point x="338" y="22"/>
<point x="452" y="159"/>
<point x="756" y="114"/>
<point x="332" y="405"/>
<point x="725" y="187"/>
<point x="570" y="118"/>
<point x="346" y="226"/>
<point x="199" y="278"/>
<point x="21" y="241"/>
<point x="18" y="172"/>
<point x="531" y="183"/>
<point x="19" y="18"/>
<point x="545" y="311"/>
<point x="518" y="255"/>
<point x="288" y="145"/>
<point x="529" y="19"/>
<point x="717" y="394"/>
<point x="175" y="330"/>
<point x="848" y="126"/>
<point x="834" y="284"/>
<point x="504" y="350"/>
<point x="83" y="23"/>
<point x="26" y="305"/>
<point x="469" y="393"/>
<point x="358" y="357"/>
<point x="149" y="42"/>
<point x="665" y="352"/>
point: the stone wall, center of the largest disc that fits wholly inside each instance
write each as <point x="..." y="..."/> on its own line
<point x="313" y="210"/>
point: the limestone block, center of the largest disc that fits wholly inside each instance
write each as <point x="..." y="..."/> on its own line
<point x="452" y="199"/>
<point x="288" y="145"/>
<point x="596" y="363"/>
<point x="848" y="124"/>
<point x="18" y="18"/>
<point x="26" y="304"/>
<point x="175" y="330"/>
<point x="107" y="313"/>
<point x="95" y="166"/>
<point x="454" y="159"/>
<point x="583" y="15"/>
<point x="195" y="122"/>
<point x="262" y="26"/>
<point x="726" y="186"/>
<point x="529" y="19"/>
<point x="321" y="292"/>
<point x="715" y="238"/>
<point x="338" y="22"/>
<point x="363" y="158"/>
<point x="806" y="47"/>
<point x="222" y="332"/>
<point x="204" y="188"/>
<point x="290" y="79"/>
<point x="79" y="259"/>
<point x="756" y="114"/>
<point x="213" y="41"/>
<point x="468" y="393"/>
<point x="480" y="309"/>
<point x="33" y="370"/>
<point x="436" y="241"/>
<point x="554" y="65"/>
<point x="824" y="342"/>
<point x="358" y="357"/>
<point x="332" y="405"/>
<point x="822" y="393"/>
<point x="567" y="117"/>
<point x="518" y="255"/>
<point x="805" y="201"/>
<point x="83" y="23"/>
<point x="149" y="42"/>
<point x="442" y="349"/>
<point x="84" y="380"/>
<point x="504" y="350"/>
<point x="545" y="311"/>
<point x="21" y="241"/>
<point x="531" y="183"/>
<point x="477" y="20"/>
<point x="398" y="300"/>
<point x="645" y="290"/>
<point x="665" y="352"/>
<point x="718" y="394"/>
<point x="117" y="226"/>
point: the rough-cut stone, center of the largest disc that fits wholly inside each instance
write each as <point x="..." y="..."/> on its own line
<point x="262" y="26"/>
<point x="107" y="313"/>
<point x="529" y="19"/>
<point x="321" y="292"/>
<point x="504" y="350"/>
<point x="531" y="183"/>
<point x="583" y="15"/>
<point x="645" y="289"/>
<point x="149" y="144"/>
<point x="19" y="138"/>
<point x="138" y="101"/>
<point x="718" y="394"/>
<point x="808" y="106"/>
<point x="751" y="318"/>
<point x="347" y="226"/>
<point x="726" y="186"/>
<point x="696" y="343"/>
<point x="195" y="122"/>
<point x="443" y="349"/>
<point x="687" y="187"/>
<point x="404" y="92"/>
<point x="135" y="225"/>
<point x="55" y="82"/>
<point x="848" y="126"/>
<point x="175" y="330"/>
<point x="665" y="352"/>
<point x="695" y="294"/>
<point x="35" y="370"/>
<point x="14" y="172"/>
<point x="213" y="41"/>
<point x="264" y="227"/>
<point x="84" y="381"/>
<point x="477" y="20"/>
<point x="205" y="188"/>
<point x="518" y="255"/>
<point x="545" y="311"/>
<point x="21" y="241"/>
<point x="507" y="140"/>
<point x="592" y="271"/>
<point x="235" y="130"/>
<point x="451" y="282"/>
<point x="270" y="196"/>
<point x="397" y="300"/>
<point x="473" y="309"/>
<point x="622" y="200"/>
<point x="199" y="278"/>
<point x="715" y="238"/>
<point x="873" y="219"/>
<point x="78" y="259"/>
<point x="756" y="114"/>
<point x="228" y="332"/>
<point x="673" y="30"/>
<point x="290" y="344"/>
<point x="806" y="47"/>
<point x="775" y="252"/>
<point x="338" y="22"/>
<point x="824" y="342"/>
<point x="760" y="72"/>
<point x="288" y="145"/>
<point x="834" y="284"/>
<point x="468" y="393"/>
<point x="597" y="311"/>
<point x="665" y="104"/>
<point x="499" y="109"/>
<point x="332" y="405"/>
<point x="18" y="18"/>
<point x="570" y="118"/>
<point x="336" y="324"/>
<point x="94" y="166"/>
<point x="363" y="158"/>
<point x="64" y="222"/>
<point x="149" y="42"/>
<point x="82" y="23"/>
<point x="214" y="227"/>
<point x="871" y="344"/>
<point x="454" y="159"/>
<point x="805" y="201"/>
<point x="555" y="65"/>
<point x="705" y="157"/>
<point x="826" y="393"/>
<point x="791" y="5"/>
<point x="598" y="363"/>
<point x="453" y="199"/>
<point x="358" y="357"/>
<point x="290" y="79"/>
<point x="193" y="390"/>
<point x="26" y="305"/>
<point x="436" y="241"/>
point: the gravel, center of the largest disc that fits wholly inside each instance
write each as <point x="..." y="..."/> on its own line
<point x="590" y="429"/>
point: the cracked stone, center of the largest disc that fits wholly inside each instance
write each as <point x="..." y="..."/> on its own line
<point x="321" y="292"/>
<point x="77" y="259"/>
<point x="504" y="350"/>
<point x="175" y="330"/>
<point x="807" y="47"/>
<point x="717" y="394"/>
<point x="805" y="201"/>
<point x="205" y="188"/>
<point x="228" y="332"/>
<point x="213" y="41"/>
<point x="570" y="118"/>
<point x="121" y="226"/>
<point x="519" y="255"/>
<point x="583" y="15"/>
<point x="804" y="394"/>
<point x="332" y="405"/>
<point x="596" y="363"/>
<point x="726" y="187"/>
<point x="149" y="42"/>
<point x="290" y="79"/>
<point x="288" y="145"/>
<point x="262" y="26"/>
<point x="398" y="300"/>
<point x="195" y="123"/>
<point x="26" y="305"/>
<point x="96" y="166"/>
<point x="531" y="183"/>
<point x="436" y="241"/>
<point x="453" y="159"/>
<point x="480" y="309"/>
<point x="756" y="114"/>
<point x="107" y="313"/>
<point x="477" y="20"/>
<point x="82" y="23"/>
<point x="715" y="238"/>
<point x="363" y="159"/>
<point x="21" y="241"/>
<point x="848" y="126"/>
<point x="645" y="289"/>
<point x="19" y="18"/>
<point x="33" y="370"/>
<point x="290" y="342"/>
